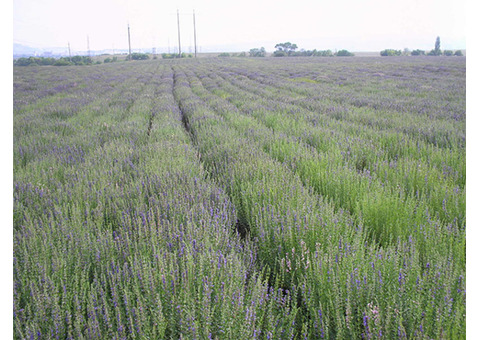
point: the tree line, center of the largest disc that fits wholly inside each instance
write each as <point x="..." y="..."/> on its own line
<point x="45" y="61"/>
<point x="288" y="49"/>
<point x="435" y="52"/>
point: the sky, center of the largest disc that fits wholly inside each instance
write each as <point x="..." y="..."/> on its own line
<point x="368" y="25"/>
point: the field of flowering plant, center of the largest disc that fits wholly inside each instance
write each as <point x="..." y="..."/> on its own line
<point x="240" y="198"/>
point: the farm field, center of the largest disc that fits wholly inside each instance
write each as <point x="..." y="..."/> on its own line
<point x="241" y="198"/>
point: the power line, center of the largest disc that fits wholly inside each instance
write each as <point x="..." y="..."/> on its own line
<point x="178" y="24"/>
<point x="129" y="45"/>
<point x="194" y="34"/>
<point x="88" y="46"/>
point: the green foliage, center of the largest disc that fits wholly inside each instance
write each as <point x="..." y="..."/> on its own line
<point x="42" y="61"/>
<point x="63" y="62"/>
<point x="458" y="53"/>
<point x="304" y="53"/>
<point x="437" y="51"/>
<point x="344" y="53"/>
<point x="25" y="61"/>
<point x="257" y="52"/>
<point x="174" y="55"/>
<point x="286" y="48"/>
<point x="322" y="53"/>
<point x="138" y="56"/>
<point x="437" y="46"/>
<point x="390" y="52"/>
<point x="418" y="52"/>
<point x="174" y="200"/>
<point x="168" y="56"/>
<point x="80" y="60"/>
<point x="224" y="54"/>
<point x="110" y="60"/>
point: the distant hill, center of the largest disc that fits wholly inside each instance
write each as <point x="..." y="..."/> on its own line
<point x="20" y="50"/>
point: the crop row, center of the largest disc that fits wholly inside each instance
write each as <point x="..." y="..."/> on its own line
<point x="118" y="233"/>
<point x="219" y="128"/>
<point x="339" y="167"/>
<point x="254" y="199"/>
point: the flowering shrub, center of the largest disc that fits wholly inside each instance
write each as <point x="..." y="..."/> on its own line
<point x="270" y="199"/>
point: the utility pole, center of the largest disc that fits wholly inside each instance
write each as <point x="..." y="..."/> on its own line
<point x="129" y="45"/>
<point x="178" y="24"/>
<point x="88" y="46"/>
<point x="194" y="34"/>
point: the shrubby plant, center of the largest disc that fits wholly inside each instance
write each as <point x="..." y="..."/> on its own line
<point x="418" y="52"/>
<point x="175" y="55"/>
<point x="344" y="53"/>
<point x="138" y="56"/>
<point x="283" y="199"/>
<point x="257" y="52"/>
<point x="63" y="61"/>
<point x="110" y="60"/>
<point x="286" y="48"/>
<point x="437" y="51"/>
<point x="390" y="52"/>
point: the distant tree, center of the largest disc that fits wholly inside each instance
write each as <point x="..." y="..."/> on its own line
<point x="79" y="60"/>
<point x="139" y="56"/>
<point x="287" y="48"/>
<point x="278" y="53"/>
<point x="437" y="51"/>
<point x="344" y="53"/>
<point x="63" y="62"/>
<point x="458" y="53"/>
<point x="324" y="53"/>
<point x="25" y="61"/>
<point x="418" y="52"/>
<point x="257" y="52"/>
<point x="390" y="52"/>
<point x="224" y="54"/>
<point x="448" y="53"/>
<point x="437" y="46"/>
<point x="34" y="61"/>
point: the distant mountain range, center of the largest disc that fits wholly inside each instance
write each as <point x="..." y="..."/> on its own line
<point x="20" y="50"/>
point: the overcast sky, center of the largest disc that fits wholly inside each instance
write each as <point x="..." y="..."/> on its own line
<point x="357" y="25"/>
